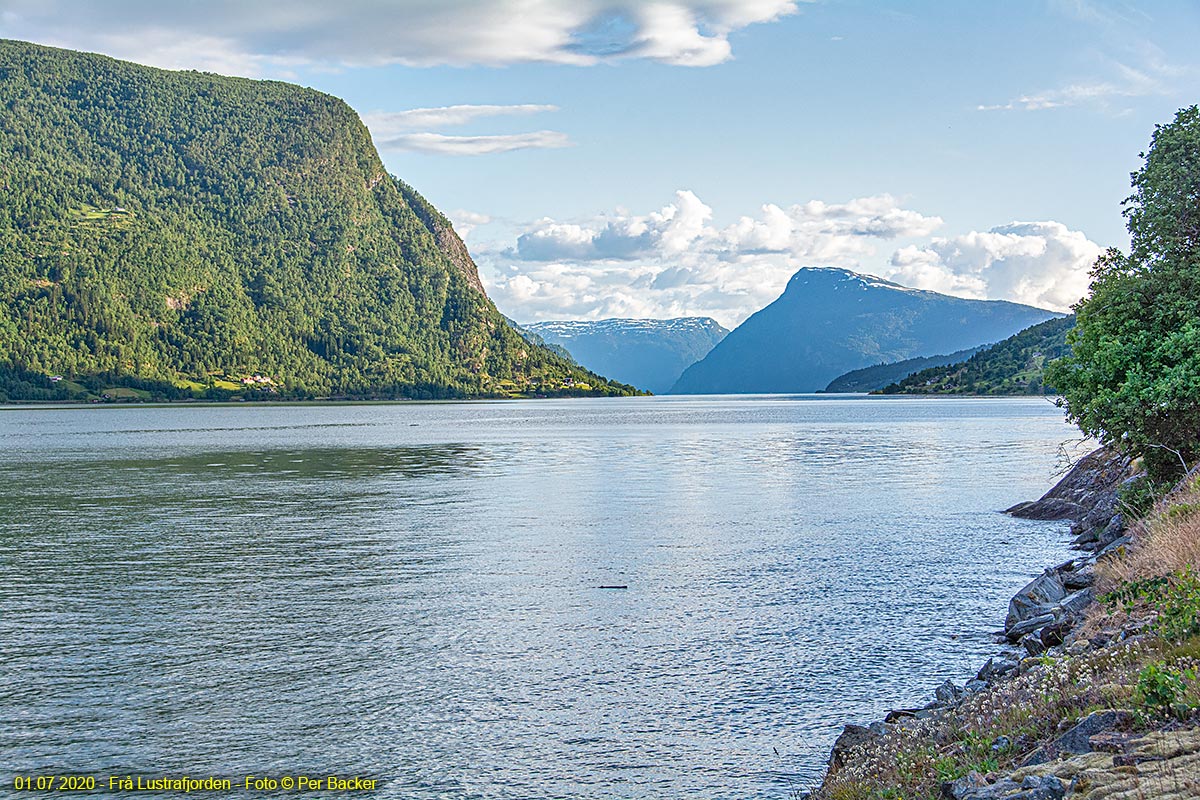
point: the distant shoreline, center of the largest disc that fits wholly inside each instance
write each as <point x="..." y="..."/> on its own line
<point x="15" y="405"/>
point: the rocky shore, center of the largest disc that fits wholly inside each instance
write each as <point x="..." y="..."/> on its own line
<point x="1045" y="629"/>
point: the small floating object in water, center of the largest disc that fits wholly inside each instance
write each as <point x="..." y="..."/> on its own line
<point x="621" y="586"/>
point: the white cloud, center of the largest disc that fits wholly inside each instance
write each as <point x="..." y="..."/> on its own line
<point x="1127" y="63"/>
<point x="260" y="37"/>
<point x="442" y="144"/>
<point x="1040" y="263"/>
<point x="466" y="221"/>
<point x="676" y="261"/>
<point x="1135" y="84"/>
<point x="813" y="229"/>
<point x="389" y="123"/>
<point x="390" y="130"/>
<point x="162" y="47"/>
<point x="1140" y="69"/>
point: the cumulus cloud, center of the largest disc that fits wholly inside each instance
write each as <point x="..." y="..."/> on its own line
<point x="443" y="144"/>
<point x="1040" y="263"/>
<point x="617" y="238"/>
<point x="676" y="261"/>
<point x="813" y="229"/>
<point x="253" y="38"/>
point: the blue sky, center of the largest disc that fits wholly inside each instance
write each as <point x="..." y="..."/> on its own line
<point x="615" y="158"/>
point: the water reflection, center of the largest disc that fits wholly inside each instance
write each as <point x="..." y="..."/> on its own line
<point x="411" y="591"/>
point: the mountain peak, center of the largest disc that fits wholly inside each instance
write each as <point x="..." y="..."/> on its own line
<point x="809" y="275"/>
<point x="830" y="321"/>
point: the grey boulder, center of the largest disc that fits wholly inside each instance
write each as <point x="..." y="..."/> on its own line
<point x="948" y="693"/>
<point x="1076" y="740"/>
<point x="1035" y="597"/>
<point x="995" y="668"/>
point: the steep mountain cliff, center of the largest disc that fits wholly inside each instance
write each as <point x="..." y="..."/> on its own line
<point x="648" y="353"/>
<point x="185" y="234"/>
<point x="830" y="321"/>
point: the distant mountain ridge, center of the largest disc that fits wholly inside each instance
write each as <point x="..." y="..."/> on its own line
<point x="1013" y="366"/>
<point x="647" y="353"/>
<point x="829" y="321"/>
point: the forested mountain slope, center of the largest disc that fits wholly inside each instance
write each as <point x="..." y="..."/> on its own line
<point x="1013" y="366"/>
<point x="868" y="379"/>
<point x="191" y="234"/>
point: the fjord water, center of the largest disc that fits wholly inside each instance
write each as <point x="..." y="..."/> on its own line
<point x="410" y="591"/>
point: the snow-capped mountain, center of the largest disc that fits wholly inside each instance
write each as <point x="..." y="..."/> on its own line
<point x="829" y="321"/>
<point x="648" y="353"/>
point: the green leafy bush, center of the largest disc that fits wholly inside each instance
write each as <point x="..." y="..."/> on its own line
<point x="1133" y="378"/>
<point x="1162" y="688"/>
<point x="1174" y="598"/>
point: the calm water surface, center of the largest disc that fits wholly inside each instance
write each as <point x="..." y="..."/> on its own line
<point x="411" y="591"/>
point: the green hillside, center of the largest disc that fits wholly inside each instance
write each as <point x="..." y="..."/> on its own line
<point x="180" y="234"/>
<point x="1013" y="366"/>
<point x="534" y="338"/>
<point x="868" y="379"/>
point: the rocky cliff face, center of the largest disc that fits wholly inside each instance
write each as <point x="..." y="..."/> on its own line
<point x="1088" y="496"/>
<point x="447" y="239"/>
<point x="456" y="253"/>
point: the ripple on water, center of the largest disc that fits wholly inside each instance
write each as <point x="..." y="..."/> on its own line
<point x="337" y="589"/>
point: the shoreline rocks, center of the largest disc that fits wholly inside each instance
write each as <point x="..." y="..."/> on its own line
<point x="1086" y="489"/>
<point x="1088" y="496"/>
<point x="1040" y="618"/>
